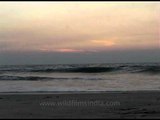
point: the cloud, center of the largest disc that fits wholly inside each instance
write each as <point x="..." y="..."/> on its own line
<point x="103" y="42"/>
<point x="66" y="50"/>
<point x="61" y="50"/>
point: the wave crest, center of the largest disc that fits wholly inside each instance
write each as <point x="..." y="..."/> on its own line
<point x="86" y="69"/>
<point x="36" y="78"/>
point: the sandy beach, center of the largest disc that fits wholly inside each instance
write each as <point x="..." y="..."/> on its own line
<point x="133" y="104"/>
<point x="80" y="60"/>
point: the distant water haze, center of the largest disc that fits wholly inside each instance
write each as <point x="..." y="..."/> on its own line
<point x="129" y="56"/>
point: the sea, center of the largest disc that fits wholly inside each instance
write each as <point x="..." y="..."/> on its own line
<point x="80" y="77"/>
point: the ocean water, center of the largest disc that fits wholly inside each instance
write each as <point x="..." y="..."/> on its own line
<point x="80" y="77"/>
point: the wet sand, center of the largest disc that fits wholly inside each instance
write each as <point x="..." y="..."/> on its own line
<point x="133" y="104"/>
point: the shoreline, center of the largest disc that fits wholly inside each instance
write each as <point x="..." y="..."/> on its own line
<point x="77" y="92"/>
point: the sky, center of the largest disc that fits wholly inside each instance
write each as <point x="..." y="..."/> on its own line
<point x="79" y="32"/>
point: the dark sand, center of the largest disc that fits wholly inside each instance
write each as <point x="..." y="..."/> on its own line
<point x="140" y="104"/>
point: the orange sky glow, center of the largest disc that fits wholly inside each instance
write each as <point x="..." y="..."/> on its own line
<point x="75" y="27"/>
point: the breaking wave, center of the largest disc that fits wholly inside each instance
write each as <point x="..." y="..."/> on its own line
<point x="80" y="69"/>
<point x="35" y="78"/>
<point x="85" y="69"/>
